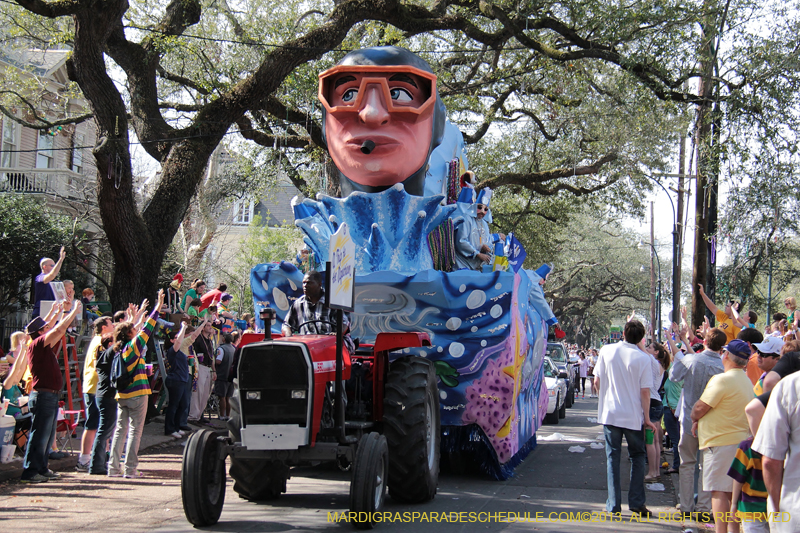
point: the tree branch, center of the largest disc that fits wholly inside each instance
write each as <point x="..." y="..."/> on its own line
<point x="182" y="81"/>
<point x="46" y="124"/>
<point x="534" y="180"/>
<point x="487" y="121"/>
<point x="248" y="131"/>
<point x="59" y="8"/>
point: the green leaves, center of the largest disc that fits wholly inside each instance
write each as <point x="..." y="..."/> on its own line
<point x="28" y="232"/>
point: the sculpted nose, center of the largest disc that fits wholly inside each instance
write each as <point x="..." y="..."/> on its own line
<point x="373" y="109"/>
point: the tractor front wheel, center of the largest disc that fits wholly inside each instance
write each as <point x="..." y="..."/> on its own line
<point x="203" y="479"/>
<point x="412" y="427"/>
<point x="368" y="486"/>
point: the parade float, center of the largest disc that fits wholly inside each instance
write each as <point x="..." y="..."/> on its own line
<point x="400" y="164"/>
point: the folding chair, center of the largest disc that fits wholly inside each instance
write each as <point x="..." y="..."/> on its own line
<point x="65" y="428"/>
<point x="22" y="429"/>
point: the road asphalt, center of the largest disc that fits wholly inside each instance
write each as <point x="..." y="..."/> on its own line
<point x="554" y="489"/>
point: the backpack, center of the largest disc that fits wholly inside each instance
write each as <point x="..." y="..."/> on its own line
<point x="120" y="377"/>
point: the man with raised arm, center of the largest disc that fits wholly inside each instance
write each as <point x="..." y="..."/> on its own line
<point x="47" y="384"/>
<point x="41" y="285"/>
<point x="725" y="318"/>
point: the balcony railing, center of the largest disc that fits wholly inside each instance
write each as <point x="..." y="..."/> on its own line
<point x="50" y="181"/>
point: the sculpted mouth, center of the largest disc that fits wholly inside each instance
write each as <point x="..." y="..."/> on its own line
<point x="378" y="140"/>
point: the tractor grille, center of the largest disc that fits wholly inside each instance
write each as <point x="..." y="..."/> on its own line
<point x="274" y="371"/>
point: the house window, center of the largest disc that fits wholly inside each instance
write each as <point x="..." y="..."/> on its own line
<point x="10" y="143"/>
<point x="44" y="154"/>
<point x="77" y="153"/>
<point x="243" y="212"/>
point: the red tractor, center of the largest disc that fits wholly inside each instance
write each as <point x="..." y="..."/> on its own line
<point x="295" y="404"/>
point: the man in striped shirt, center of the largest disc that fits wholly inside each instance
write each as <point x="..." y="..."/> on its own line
<point x="310" y="316"/>
<point x="749" y="498"/>
<point x="133" y="399"/>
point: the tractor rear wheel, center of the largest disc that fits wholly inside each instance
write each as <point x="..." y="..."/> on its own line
<point x="203" y="479"/>
<point x="411" y="424"/>
<point x="255" y="480"/>
<point x="368" y="486"/>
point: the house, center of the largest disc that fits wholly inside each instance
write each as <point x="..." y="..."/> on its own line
<point x="54" y="164"/>
<point x="273" y="210"/>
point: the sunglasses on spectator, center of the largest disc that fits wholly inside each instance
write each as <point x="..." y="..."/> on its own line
<point x="763" y="355"/>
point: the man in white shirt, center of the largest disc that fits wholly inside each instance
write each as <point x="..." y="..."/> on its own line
<point x="623" y="379"/>
<point x="778" y="439"/>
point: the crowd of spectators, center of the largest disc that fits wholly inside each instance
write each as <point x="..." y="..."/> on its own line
<point x="198" y="354"/>
<point x="729" y="400"/>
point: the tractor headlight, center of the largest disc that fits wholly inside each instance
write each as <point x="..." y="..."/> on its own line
<point x="254" y="395"/>
<point x="299" y="394"/>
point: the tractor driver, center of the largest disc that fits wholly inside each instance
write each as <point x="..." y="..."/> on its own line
<point x="311" y="316"/>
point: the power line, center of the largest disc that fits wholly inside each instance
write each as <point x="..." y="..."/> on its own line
<point x="170" y="139"/>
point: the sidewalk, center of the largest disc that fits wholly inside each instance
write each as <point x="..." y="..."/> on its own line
<point x="152" y="437"/>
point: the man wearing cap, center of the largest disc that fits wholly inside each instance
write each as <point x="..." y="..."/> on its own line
<point x="768" y="352"/>
<point x="41" y="285"/>
<point x="720" y="424"/>
<point x="789" y="363"/>
<point x="46" y="385"/>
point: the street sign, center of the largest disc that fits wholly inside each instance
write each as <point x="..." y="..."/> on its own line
<point x="341" y="290"/>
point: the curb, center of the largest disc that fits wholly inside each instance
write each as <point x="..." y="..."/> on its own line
<point x="151" y="439"/>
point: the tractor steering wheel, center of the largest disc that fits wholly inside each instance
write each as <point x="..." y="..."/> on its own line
<point x="298" y="328"/>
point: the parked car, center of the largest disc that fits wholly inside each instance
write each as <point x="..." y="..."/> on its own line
<point x="556" y="382"/>
<point x="558" y="353"/>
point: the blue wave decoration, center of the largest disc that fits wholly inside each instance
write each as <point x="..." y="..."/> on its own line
<point x="389" y="228"/>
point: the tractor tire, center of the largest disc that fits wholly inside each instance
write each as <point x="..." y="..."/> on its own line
<point x="370" y="473"/>
<point x="202" y="479"/>
<point x="255" y="480"/>
<point x="411" y="423"/>
<point x="562" y="413"/>
<point x="552" y="418"/>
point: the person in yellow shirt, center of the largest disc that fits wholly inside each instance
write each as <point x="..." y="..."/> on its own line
<point x="720" y="424"/>
<point x="101" y="326"/>
<point x="724" y="318"/>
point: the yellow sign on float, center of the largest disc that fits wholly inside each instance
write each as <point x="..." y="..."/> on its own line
<point x="341" y="292"/>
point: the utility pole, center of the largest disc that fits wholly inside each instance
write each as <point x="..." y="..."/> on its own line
<point x="707" y="138"/>
<point x="653" y="302"/>
<point x="769" y="288"/>
<point x="677" y="237"/>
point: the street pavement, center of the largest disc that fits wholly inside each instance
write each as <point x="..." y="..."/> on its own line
<point x="551" y="480"/>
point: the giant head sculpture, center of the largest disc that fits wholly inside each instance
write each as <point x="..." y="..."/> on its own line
<point x="382" y="118"/>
